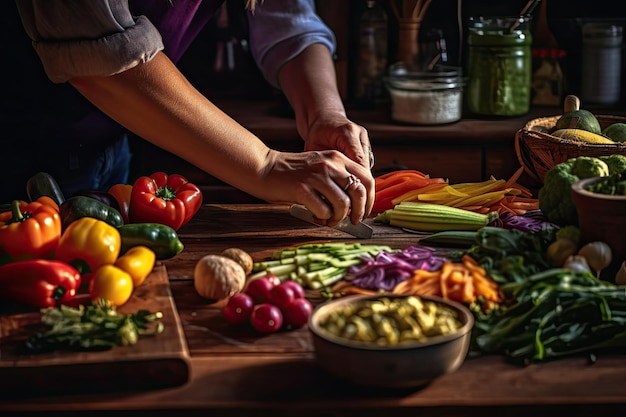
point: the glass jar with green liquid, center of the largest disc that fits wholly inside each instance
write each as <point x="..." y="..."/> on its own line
<point x="499" y="66"/>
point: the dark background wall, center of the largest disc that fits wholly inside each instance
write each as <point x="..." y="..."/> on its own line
<point x="219" y="63"/>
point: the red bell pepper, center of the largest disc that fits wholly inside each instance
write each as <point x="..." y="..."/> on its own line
<point x="169" y="200"/>
<point x="39" y="282"/>
<point x="29" y="231"/>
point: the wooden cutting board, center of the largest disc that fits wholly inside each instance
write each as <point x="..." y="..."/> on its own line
<point x="154" y="362"/>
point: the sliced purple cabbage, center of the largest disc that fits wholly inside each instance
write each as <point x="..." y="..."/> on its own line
<point x="531" y="221"/>
<point x="388" y="269"/>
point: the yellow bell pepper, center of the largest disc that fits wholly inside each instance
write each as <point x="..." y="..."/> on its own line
<point x="112" y="284"/>
<point x="138" y="262"/>
<point x="89" y="243"/>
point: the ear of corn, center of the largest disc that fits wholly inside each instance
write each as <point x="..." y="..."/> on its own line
<point x="433" y="217"/>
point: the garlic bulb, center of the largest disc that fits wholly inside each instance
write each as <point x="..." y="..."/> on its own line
<point x="577" y="263"/>
<point x="598" y="255"/>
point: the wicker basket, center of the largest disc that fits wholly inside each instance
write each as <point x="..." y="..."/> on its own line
<point x="538" y="151"/>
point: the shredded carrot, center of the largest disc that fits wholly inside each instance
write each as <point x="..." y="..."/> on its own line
<point x="511" y="181"/>
<point x="399" y="178"/>
<point x="400" y="172"/>
<point x="396" y="183"/>
<point x="464" y="282"/>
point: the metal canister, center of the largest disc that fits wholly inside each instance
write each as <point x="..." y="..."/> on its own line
<point x="499" y="66"/>
<point x="602" y="57"/>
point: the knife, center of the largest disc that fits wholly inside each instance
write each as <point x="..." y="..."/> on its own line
<point x="360" y="230"/>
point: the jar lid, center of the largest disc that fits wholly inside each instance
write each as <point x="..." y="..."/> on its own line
<point x="601" y="30"/>
<point x="441" y="78"/>
<point x="502" y="24"/>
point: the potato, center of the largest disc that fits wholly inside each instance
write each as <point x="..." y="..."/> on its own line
<point x="240" y="256"/>
<point x="217" y="277"/>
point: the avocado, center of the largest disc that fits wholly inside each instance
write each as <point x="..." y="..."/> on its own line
<point x="616" y="132"/>
<point x="579" y="119"/>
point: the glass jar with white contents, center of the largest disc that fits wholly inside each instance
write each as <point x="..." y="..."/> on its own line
<point x="425" y="98"/>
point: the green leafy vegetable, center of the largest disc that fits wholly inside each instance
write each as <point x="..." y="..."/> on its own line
<point x="96" y="326"/>
<point x="555" y="313"/>
<point x="511" y="255"/>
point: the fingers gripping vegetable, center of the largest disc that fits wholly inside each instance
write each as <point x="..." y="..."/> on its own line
<point x="29" y="231"/>
<point x="89" y="243"/>
<point x="138" y="262"/>
<point x="111" y="284"/>
<point x="169" y="200"/>
<point x="39" y="282"/>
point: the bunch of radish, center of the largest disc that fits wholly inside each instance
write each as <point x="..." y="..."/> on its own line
<point x="268" y="305"/>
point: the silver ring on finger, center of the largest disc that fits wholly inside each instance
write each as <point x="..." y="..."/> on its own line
<point x="352" y="180"/>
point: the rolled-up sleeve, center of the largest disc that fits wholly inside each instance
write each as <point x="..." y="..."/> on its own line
<point x="87" y="37"/>
<point x="281" y="29"/>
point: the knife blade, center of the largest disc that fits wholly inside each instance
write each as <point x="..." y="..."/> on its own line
<point x="360" y="230"/>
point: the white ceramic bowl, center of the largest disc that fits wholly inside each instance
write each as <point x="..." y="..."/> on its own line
<point x="397" y="366"/>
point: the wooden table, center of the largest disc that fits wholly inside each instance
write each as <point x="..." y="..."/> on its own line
<point x="237" y="373"/>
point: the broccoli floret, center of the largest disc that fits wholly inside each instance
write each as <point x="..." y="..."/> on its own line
<point x="615" y="162"/>
<point x="588" y="166"/>
<point x="555" y="200"/>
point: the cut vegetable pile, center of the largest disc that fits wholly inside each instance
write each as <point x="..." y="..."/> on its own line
<point x="493" y="195"/>
<point x="316" y="265"/>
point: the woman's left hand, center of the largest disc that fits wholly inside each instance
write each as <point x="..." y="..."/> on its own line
<point x="336" y="131"/>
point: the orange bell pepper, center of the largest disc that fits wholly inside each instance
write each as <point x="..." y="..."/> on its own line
<point x="49" y="201"/>
<point x="121" y="193"/>
<point x="29" y="231"/>
<point x="89" y="243"/>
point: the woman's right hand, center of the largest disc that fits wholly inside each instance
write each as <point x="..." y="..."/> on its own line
<point x="327" y="182"/>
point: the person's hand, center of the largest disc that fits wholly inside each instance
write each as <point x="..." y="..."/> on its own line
<point x="327" y="182"/>
<point x="336" y="131"/>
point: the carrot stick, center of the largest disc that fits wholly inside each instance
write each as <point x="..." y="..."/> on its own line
<point x="511" y="181"/>
<point x="400" y="172"/>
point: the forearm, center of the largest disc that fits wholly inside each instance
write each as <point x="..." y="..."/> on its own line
<point x="309" y="83"/>
<point x="156" y="102"/>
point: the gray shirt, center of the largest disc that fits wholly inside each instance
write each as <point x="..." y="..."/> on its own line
<point x="104" y="37"/>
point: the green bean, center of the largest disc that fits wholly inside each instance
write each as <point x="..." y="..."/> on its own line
<point x="555" y="313"/>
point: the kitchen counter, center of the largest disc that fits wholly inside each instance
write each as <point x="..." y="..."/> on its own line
<point x="236" y="373"/>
